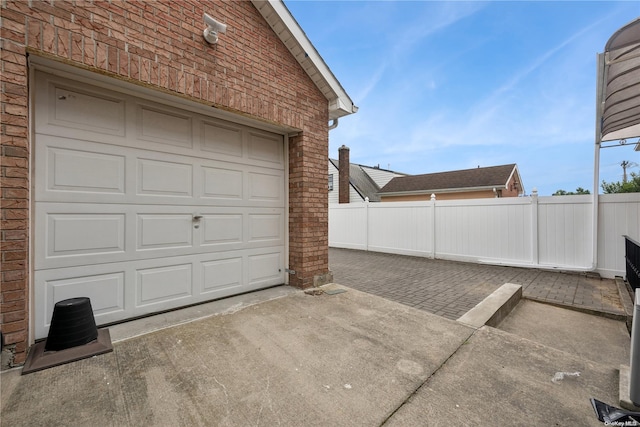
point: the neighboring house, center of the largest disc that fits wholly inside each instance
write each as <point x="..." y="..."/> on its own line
<point x="477" y="183"/>
<point x="362" y="181"/>
<point x="149" y="169"/>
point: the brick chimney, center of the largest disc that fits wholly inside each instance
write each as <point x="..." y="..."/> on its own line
<point x="343" y="174"/>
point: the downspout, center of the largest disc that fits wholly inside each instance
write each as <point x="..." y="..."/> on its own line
<point x="334" y="124"/>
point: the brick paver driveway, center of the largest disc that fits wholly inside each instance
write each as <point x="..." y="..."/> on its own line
<point x="450" y="289"/>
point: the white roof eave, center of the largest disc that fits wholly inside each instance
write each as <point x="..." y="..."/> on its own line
<point x="294" y="38"/>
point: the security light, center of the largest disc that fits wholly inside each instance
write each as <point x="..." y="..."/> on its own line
<point x="213" y="28"/>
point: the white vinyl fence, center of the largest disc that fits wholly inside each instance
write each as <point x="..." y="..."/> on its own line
<point x="538" y="232"/>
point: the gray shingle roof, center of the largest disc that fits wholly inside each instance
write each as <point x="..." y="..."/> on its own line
<point x="361" y="181"/>
<point x="494" y="176"/>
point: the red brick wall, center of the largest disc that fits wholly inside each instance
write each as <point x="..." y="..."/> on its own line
<point x="308" y="209"/>
<point x="249" y="72"/>
<point x="513" y="188"/>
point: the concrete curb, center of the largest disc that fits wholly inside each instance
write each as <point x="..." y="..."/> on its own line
<point x="602" y="313"/>
<point x="494" y="308"/>
<point x="625" y="398"/>
<point x="626" y="300"/>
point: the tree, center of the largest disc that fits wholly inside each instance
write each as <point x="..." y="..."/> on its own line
<point x="631" y="186"/>
<point x="579" y="190"/>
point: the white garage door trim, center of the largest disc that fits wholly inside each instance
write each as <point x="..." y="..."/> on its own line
<point x="173" y="208"/>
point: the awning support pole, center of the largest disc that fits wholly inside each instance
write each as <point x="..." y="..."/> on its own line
<point x="596" y="157"/>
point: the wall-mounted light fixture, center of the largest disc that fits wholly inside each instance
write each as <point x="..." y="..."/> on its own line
<point x="213" y="28"/>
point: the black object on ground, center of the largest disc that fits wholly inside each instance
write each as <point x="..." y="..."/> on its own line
<point x="610" y="415"/>
<point x="73" y="335"/>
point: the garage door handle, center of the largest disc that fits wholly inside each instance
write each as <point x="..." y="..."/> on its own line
<point x="197" y="217"/>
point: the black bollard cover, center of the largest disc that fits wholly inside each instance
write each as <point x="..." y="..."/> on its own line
<point x="72" y="324"/>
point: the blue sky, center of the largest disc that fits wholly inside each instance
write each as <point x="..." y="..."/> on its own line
<point x="453" y="85"/>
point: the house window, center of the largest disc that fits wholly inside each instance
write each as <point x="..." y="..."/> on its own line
<point x="330" y="182"/>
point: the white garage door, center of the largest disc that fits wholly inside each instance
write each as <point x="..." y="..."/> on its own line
<point x="143" y="207"/>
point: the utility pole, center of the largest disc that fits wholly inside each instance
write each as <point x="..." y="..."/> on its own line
<point x="626" y="164"/>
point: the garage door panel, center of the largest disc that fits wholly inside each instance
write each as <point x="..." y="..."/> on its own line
<point x="106" y="292"/>
<point x="133" y="288"/>
<point x="75" y="106"/>
<point x="85" y="234"/>
<point x="99" y="173"/>
<point x="266" y="187"/>
<point x="80" y="234"/>
<point x="164" y="126"/>
<point x="265" y="227"/>
<point x="70" y="170"/>
<point x="163" y="284"/>
<point x="85" y="171"/>
<point x="76" y="109"/>
<point x="265" y="268"/>
<point x="220" y="229"/>
<point x="161" y="231"/>
<point x="222" y="275"/>
<point x="265" y="147"/>
<point x="55" y="116"/>
<point x="105" y="233"/>
<point x="223" y="139"/>
<point x="222" y="183"/>
<point x="164" y="178"/>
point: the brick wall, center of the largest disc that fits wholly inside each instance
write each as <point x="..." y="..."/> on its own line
<point x="308" y="210"/>
<point x="249" y="72"/>
<point x="512" y="189"/>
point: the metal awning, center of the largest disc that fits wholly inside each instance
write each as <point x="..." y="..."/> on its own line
<point x="619" y="85"/>
<point x="617" y="102"/>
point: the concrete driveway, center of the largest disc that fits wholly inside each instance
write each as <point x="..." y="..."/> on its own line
<point x="285" y="357"/>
